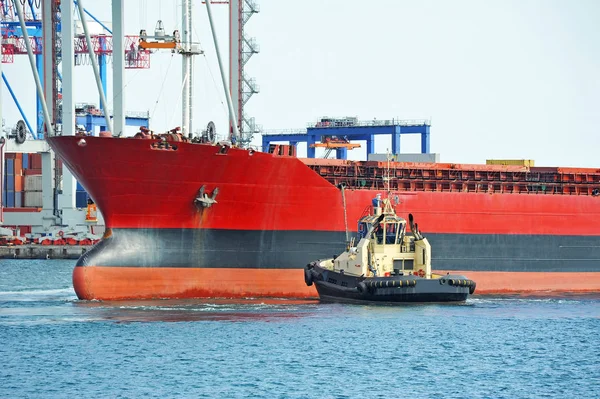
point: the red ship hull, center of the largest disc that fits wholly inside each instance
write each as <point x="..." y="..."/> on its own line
<point x="275" y="214"/>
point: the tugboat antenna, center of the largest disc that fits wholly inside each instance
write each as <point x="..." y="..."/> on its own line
<point x="388" y="205"/>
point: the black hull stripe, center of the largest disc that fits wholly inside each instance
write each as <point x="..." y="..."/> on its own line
<point x="294" y="249"/>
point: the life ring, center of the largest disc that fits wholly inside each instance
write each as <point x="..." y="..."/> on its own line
<point x="308" y="278"/>
<point x="421" y="273"/>
<point x="61" y="233"/>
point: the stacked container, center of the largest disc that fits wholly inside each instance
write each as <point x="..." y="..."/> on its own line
<point x="8" y="192"/>
<point x="22" y="185"/>
<point x="12" y="193"/>
<point x="33" y="182"/>
<point x="33" y="191"/>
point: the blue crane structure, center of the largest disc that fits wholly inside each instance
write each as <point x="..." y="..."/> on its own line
<point x="350" y="128"/>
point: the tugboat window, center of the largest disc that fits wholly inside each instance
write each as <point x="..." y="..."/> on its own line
<point x="362" y="230"/>
<point x="379" y="234"/>
<point x="390" y="233"/>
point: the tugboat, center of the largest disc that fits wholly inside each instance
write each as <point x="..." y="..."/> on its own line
<point x="388" y="265"/>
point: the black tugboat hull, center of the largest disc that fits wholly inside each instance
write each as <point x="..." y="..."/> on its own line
<point x="336" y="287"/>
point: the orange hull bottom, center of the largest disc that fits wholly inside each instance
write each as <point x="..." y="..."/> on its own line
<point x="115" y="283"/>
<point x="533" y="282"/>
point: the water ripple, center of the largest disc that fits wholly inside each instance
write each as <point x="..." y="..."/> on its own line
<point x="490" y="347"/>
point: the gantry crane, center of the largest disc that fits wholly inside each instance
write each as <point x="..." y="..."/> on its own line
<point x="13" y="43"/>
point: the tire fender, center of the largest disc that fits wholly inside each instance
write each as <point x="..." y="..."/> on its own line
<point x="308" y="277"/>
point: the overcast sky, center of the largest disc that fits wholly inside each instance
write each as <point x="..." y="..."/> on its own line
<point x="499" y="79"/>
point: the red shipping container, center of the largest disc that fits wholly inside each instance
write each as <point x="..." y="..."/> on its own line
<point x="35" y="162"/>
<point x="29" y="172"/>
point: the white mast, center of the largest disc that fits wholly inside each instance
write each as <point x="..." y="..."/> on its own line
<point x="36" y="76"/>
<point x="94" y="61"/>
<point x="187" y="68"/>
<point x="232" y="117"/>
<point x="118" y="67"/>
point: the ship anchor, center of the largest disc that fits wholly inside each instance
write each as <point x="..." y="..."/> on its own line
<point x="203" y="200"/>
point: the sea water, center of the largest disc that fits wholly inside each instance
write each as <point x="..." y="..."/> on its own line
<point x="53" y="345"/>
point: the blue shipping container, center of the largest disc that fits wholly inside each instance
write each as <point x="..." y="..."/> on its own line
<point x="81" y="198"/>
<point x="10" y="199"/>
<point x="10" y="182"/>
<point x="18" y="199"/>
<point x="10" y="167"/>
<point x="79" y="187"/>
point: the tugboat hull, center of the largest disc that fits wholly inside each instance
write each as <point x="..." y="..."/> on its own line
<point x="338" y="287"/>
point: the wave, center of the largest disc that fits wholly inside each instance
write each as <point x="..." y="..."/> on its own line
<point x="38" y="292"/>
<point x="27" y="295"/>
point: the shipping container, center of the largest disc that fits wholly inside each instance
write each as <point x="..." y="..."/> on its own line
<point x="29" y="172"/>
<point x="18" y="199"/>
<point x="10" y="166"/>
<point x="515" y="162"/>
<point x="416" y="158"/>
<point x="19" y="180"/>
<point x="80" y="187"/>
<point x="81" y="198"/>
<point x="33" y="199"/>
<point x="33" y="183"/>
<point x="36" y="161"/>
<point x="18" y="168"/>
<point x="10" y="182"/>
<point x="10" y="199"/>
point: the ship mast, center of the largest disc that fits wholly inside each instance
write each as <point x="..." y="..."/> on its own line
<point x="232" y="117"/>
<point x="187" y="68"/>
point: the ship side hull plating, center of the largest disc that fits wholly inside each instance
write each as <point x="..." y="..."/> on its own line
<point x="185" y="263"/>
<point x="273" y="215"/>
